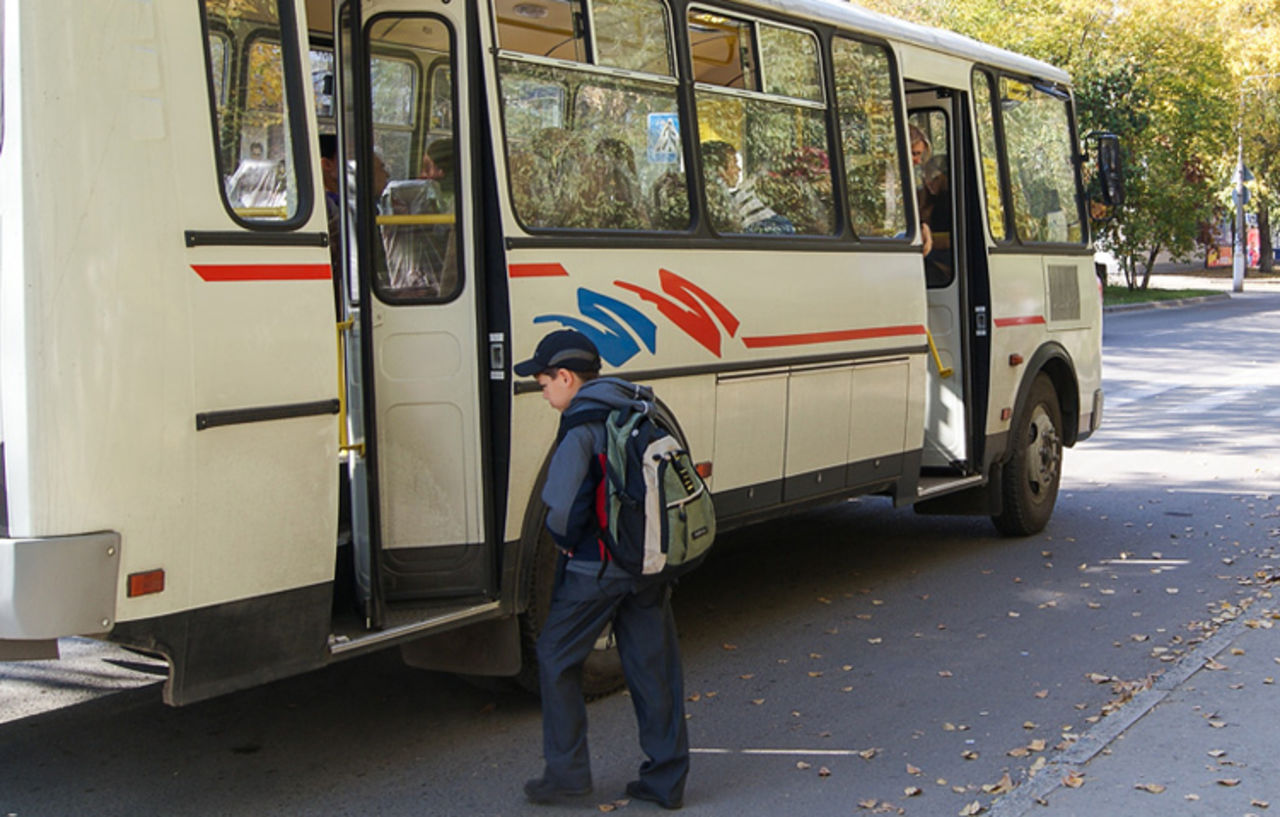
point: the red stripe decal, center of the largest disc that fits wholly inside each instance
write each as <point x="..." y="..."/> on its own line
<point x="1025" y="320"/>
<point x="263" y="272"/>
<point x="537" y="271"/>
<point x="805" y="338"/>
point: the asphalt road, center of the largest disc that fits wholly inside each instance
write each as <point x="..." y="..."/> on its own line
<point x="854" y="659"/>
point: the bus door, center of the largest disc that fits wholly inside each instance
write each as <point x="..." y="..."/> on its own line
<point x="414" y="389"/>
<point x="932" y="115"/>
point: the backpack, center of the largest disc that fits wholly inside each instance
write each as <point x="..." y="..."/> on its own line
<point x="656" y="516"/>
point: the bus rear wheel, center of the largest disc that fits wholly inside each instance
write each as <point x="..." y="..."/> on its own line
<point x="1029" y="482"/>
<point x="602" y="673"/>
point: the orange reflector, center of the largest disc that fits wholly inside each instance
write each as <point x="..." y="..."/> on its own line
<point x="1005" y="414"/>
<point x="142" y="584"/>
<point x="1015" y="359"/>
<point x="703" y="469"/>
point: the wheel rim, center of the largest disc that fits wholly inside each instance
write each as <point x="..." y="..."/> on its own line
<point x="1044" y="454"/>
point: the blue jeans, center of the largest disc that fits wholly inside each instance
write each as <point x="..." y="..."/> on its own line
<point x="640" y="610"/>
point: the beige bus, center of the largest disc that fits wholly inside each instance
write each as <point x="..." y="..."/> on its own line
<point x="266" y="264"/>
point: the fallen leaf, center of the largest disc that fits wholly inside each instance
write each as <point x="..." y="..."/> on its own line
<point x="913" y="770"/>
<point x="1021" y="751"/>
<point x="1073" y="779"/>
<point x="1228" y="781"/>
<point x="730" y="647"/>
<point x="824" y="772"/>
<point x="875" y="640"/>
<point x="695" y="697"/>
<point x="969" y="754"/>
<point x="606" y="807"/>
<point x="1256" y="803"/>
<point x="824" y="600"/>
<point x="1099" y="678"/>
<point x="1030" y="725"/>
<point x="1218" y="724"/>
<point x="801" y="765"/>
<point x="1150" y="788"/>
<point x="913" y="791"/>
<point x="748" y="676"/>
<point x="1192" y="797"/>
<point x="868" y="804"/>
<point x="972" y="809"/>
<point x="1036" y="745"/>
<point x="1044" y="693"/>
<point x="757" y="701"/>
<point x="867" y="754"/>
<point x="1003" y="786"/>
<point x="815" y="675"/>
<point x="946" y="673"/>
<point x="1214" y="665"/>
<point x="1217" y="753"/>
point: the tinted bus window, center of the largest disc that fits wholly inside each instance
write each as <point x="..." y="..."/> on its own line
<point x="591" y="150"/>
<point x="1042" y="174"/>
<point x="418" y="201"/>
<point x="764" y="153"/>
<point x="869" y="137"/>
<point x="252" y="110"/>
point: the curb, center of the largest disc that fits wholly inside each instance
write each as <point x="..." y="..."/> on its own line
<point x="1170" y="304"/>
<point x="1023" y="799"/>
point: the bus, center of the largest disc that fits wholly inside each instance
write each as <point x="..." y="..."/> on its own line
<point x="265" y="266"/>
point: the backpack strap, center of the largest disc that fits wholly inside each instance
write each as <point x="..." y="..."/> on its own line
<point x="579" y="418"/>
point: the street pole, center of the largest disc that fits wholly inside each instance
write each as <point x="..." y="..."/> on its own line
<point x="1238" y="247"/>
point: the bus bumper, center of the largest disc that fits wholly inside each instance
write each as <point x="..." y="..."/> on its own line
<point x="58" y="586"/>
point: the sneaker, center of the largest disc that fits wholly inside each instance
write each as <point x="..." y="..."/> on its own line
<point x="543" y="791"/>
<point x="638" y="790"/>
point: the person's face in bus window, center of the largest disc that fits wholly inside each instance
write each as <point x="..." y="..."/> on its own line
<point x="732" y="171"/>
<point x="918" y="152"/>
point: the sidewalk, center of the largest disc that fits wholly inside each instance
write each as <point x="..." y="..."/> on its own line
<point x="1202" y="741"/>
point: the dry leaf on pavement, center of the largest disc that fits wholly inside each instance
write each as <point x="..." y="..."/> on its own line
<point x="1073" y="779"/>
<point x="1150" y="788"/>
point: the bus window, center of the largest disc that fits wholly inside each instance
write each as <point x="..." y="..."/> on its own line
<point x="934" y="194"/>
<point x="253" y="130"/>
<point x="441" y="99"/>
<point x="985" y="114"/>
<point x="764" y="154"/>
<point x="322" y="81"/>
<point x="1042" y="176"/>
<point x="593" y="151"/>
<point x="630" y="34"/>
<point x="418" y="207"/>
<point x="868" y="135"/>
<point x="555" y="30"/>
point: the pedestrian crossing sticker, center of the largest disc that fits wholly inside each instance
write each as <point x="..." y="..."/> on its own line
<point x="664" y="138"/>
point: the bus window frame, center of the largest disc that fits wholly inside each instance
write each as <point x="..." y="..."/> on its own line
<point x="293" y="90"/>
<point x="386" y="294"/>
<point x="1014" y="241"/>
<point x="900" y="117"/>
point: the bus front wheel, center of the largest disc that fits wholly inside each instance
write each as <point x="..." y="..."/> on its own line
<point x="602" y="673"/>
<point x="1029" y="483"/>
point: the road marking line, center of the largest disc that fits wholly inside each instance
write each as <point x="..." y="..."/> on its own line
<point x="793" y="752"/>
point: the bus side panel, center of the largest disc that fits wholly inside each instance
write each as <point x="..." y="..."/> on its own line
<point x="115" y="337"/>
<point x="1038" y="299"/>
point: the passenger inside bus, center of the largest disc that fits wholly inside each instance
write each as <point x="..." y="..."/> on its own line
<point x="735" y="207"/>
<point x="936" y="214"/>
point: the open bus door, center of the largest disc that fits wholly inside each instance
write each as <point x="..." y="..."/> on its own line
<point x="413" y="368"/>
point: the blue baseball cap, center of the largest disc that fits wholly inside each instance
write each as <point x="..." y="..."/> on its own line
<point x="562" y="349"/>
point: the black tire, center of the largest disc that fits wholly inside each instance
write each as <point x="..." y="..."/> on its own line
<point x="602" y="674"/>
<point x="1029" y="484"/>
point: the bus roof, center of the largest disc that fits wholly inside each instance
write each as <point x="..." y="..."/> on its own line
<point x="848" y="15"/>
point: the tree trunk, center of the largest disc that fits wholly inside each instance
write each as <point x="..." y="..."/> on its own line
<point x="1266" y="258"/>
<point x="1151" y="262"/>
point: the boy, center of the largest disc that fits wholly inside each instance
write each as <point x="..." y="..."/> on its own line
<point x="591" y="591"/>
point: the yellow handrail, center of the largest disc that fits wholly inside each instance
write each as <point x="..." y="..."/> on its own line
<point x="937" y="359"/>
<point x="411" y="218"/>
<point x="262" y="212"/>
